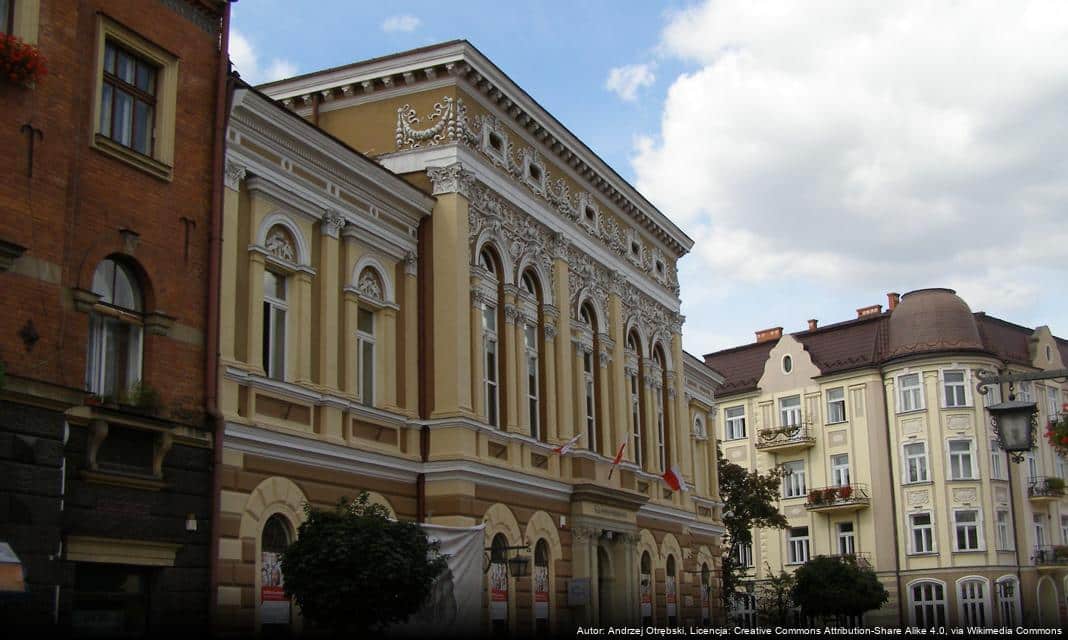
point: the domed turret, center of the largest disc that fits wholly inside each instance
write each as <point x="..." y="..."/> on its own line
<point x="928" y="320"/>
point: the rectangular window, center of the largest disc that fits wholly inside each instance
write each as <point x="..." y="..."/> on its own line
<point x="992" y="396"/>
<point x="954" y="388"/>
<point x="735" y="421"/>
<point x="909" y="393"/>
<point x="1025" y="391"/>
<point x="997" y="461"/>
<point x="365" y="338"/>
<point x="1052" y="404"/>
<point x="7" y="16"/>
<point x="744" y="555"/>
<point x="967" y="532"/>
<point x="274" y="325"/>
<point x="916" y="462"/>
<point x="836" y="405"/>
<point x="636" y="419"/>
<point x="846" y="539"/>
<point x="973" y="603"/>
<point x="1039" y="522"/>
<point x="928" y="604"/>
<point x="490" y="380"/>
<point x="840" y="469"/>
<point x="921" y="532"/>
<point x="790" y="411"/>
<point x="960" y="460"/>
<point x="1008" y="602"/>
<point x="530" y="344"/>
<point x="793" y="480"/>
<point x="1033" y="471"/>
<point x="128" y="98"/>
<point x="1064" y="529"/>
<point x="797" y="545"/>
<point x="1004" y="529"/>
<point x="590" y="405"/>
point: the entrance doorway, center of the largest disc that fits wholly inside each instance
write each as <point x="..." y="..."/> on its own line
<point x="604" y="586"/>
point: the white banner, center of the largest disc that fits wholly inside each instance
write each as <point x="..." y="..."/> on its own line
<point x="455" y="603"/>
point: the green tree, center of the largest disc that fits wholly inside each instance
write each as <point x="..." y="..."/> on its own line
<point x="774" y="597"/>
<point x="837" y="586"/>
<point x="750" y="500"/>
<point x="354" y="569"/>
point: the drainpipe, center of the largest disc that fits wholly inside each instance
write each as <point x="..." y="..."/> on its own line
<point x="211" y="359"/>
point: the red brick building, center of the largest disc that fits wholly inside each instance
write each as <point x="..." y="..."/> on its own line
<point x="105" y="220"/>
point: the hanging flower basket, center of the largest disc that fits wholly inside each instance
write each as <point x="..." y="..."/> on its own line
<point x="20" y="63"/>
<point x="1057" y="433"/>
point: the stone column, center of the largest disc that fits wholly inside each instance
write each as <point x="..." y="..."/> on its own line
<point x="298" y="357"/>
<point x="565" y="420"/>
<point x="606" y="421"/>
<point x="386" y="367"/>
<point x="683" y="428"/>
<point x="509" y="367"/>
<point x="235" y="174"/>
<point x="409" y="326"/>
<point x="348" y="346"/>
<point x="552" y="426"/>
<point x="329" y="330"/>
<point x="478" y="362"/>
<point x="618" y="395"/>
<point x="254" y="346"/>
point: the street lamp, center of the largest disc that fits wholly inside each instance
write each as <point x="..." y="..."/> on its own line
<point x="1014" y="423"/>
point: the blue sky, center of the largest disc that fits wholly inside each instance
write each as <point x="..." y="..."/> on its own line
<point x="821" y="153"/>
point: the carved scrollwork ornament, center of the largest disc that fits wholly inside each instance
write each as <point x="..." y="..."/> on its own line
<point x="451" y="179"/>
<point x="550" y="331"/>
<point x="411" y="263"/>
<point x="332" y="224"/>
<point x="234" y="174"/>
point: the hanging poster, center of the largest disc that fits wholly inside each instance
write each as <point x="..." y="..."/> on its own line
<point x="274" y="605"/>
<point x="670" y="592"/>
<point x="705" y="597"/>
<point x="541" y="592"/>
<point x="498" y="579"/>
<point x="454" y="607"/>
<point x="647" y="595"/>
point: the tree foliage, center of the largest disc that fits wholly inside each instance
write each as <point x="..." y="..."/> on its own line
<point x="837" y="586"/>
<point x="354" y="569"/>
<point x="775" y="598"/>
<point x="750" y="500"/>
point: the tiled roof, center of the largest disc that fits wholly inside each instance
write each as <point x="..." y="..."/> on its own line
<point x="741" y="367"/>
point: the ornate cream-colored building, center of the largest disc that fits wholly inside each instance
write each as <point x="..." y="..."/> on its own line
<point x="429" y="325"/>
<point x="889" y="456"/>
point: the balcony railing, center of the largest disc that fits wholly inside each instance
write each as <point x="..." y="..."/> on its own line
<point x="860" y="558"/>
<point x="846" y="497"/>
<point x="1045" y="488"/>
<point x="1051" y="554"/>
<point x="788" y="437"/>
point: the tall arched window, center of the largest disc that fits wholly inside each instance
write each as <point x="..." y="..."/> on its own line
<point x="645" y="588"/>
<point x="498" y="585"/>
<point x="972" y="598"/>
<point x="637" y="419"/>
<point x="370" y="286"/>
<point x="590" y="378"/>
<point x="279" y="243"/>
<point x="1008" y="593"/>
<point x="541" y="588"/>
<point x="532" y="345"/>
<point x="491" y="342"/>
<point x="670" y="592"/>
<point x="116" y="325"/>
<point x="663" y="448"/>
<point x="274" y="605"/>
<point x="928" y="604"/>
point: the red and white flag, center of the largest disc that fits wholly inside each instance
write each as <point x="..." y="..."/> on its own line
<point x="619" y="457"/>
<point x="673" y="478"/>
<point x="566" y="448"/>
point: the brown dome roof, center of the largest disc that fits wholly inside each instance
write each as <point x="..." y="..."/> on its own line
<point x="932" y="320"/>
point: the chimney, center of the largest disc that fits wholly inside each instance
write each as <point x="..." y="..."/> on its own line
<point x="892" y="299"/>
<point x="812" y="324"/>
<point x="874" y="309"/>
<point x="769" y="334"/>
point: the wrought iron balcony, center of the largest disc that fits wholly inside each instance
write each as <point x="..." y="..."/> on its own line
<point x="1051" y="555"/>
<point x="797" y="436"/>
<point x="1043" y="489"/>
<point x="846" y="497"/>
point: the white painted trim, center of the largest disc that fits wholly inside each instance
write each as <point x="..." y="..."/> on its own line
<point x="912" y="603"/>
<point x="279" y="218"/>
<point x="383" y="273"/>
<point x="987" y="599"/>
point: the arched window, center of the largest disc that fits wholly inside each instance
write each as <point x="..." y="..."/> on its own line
<point x="1008" y="593"/>
<point x="280" y="244"/>
<point x="532" y="345"/>
<point x="972" y="598"/>
<point x="370" y="286"/>
<point x="590" y="378"/>
<point x="274" y="605"/>
<point x="113" y="364"/>
<point x="927" y="601"/>
<point x="663" y="447"/>
<point x="637" y="418"/>
<point x="541" y="588"/>
<point x="491" y="342"/>
<point x="645" y="588"/>
<point x="670" y="592"/>
<point x="498" y="585"/>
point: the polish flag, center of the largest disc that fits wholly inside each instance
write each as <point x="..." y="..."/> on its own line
<point x="673" y="478"/>
<point x="566" y="448"/>
<point x="619" y="456"/>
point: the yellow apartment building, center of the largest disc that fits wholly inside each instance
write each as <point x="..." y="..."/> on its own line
<point x="888" y="456"/>
<point x="429" y="284"/>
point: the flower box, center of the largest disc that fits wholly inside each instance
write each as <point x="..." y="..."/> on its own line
<point x="20" y="63"/>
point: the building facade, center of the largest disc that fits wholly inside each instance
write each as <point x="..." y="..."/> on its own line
<point x="888" y="456"/>
<point x="105" y="479"/>
<point x="429" y="325"/>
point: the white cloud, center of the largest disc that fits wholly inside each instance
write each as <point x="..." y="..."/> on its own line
<point x="625" y="81"/>
<point x="247" y="61"/>
<point x="867" y="145"/>
<point x="402" y="23"/>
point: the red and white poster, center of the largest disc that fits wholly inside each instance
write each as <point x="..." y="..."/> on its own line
<point x="274" y="605"/>
<point x="647" y="595"/>
<point x="498" y="577"/>
<point x="669" y="590"/>
<point x="541" y="593"/>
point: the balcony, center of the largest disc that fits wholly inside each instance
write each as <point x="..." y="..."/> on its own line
<point x="860" y="558"/>
<point x="788" y="438"/>
<point x="1045" y="489"/>
<point x="844" y="498"/>
<point x="1051" y="556"/>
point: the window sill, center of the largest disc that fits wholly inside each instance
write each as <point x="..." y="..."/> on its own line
<point x="905" y="413"/>
<point x="959" y="406"/>
<point x="836" y="424"/>
<point x="921" y="554"/>
<point x="963" y="479"/>
<point x="955" y="551"/>
<point x="917" y="483"/>
<point x="118" y="479"/>
<point x="151" y="166"/>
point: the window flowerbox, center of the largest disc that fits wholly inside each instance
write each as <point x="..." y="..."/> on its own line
<point x="20" y="63"/>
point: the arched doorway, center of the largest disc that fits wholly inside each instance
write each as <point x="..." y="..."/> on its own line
<point x="706" y="596"/>
<point x="604" y="586"/>
<point x="275" y="608"/>
<point x="1048" y="610"/>
<point x="670" y="593"/>
<point x="541" y="589"/>
<point x="498" y="586"/>
<point x="645" y="588"/>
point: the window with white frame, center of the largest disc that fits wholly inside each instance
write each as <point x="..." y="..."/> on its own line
<point x="744" y="610"/>
<point x="590" y="399"/>
<point x="1025" y="391"/>
<point x="928" y="604"/>
<point x="1052" y="403"/>
<point x="1033" y="470"/>
<point x="967" y="532"/>
<point x="1038" y="521"/>
<point x="921" y="532"/>
<point x="1064" y="529"/>
<point x="954" y="388"/>
<point x="836" y="409"/>
<point x="846" y="539"/>
<point x="365" y="350"/>
<point x="744" y="554"/>
<point x="1003" y="525"/>
<point x="997" y="461"/>
<point x="1062" y="467"/>
<point x="530" y="345"/>
<point x="661" y="421"/>
<point x="992" y="395"/>
<point x="636" y="418"/>
<point x="916" y="462"/>
<point x="797" y="545"/>
<point x="840" y="469"/>
<point x="1008" y="601"/>
<point x="909" y="392"/>
<point x="971" y="598"/>
<point x="793" y="479"/>
<point x="113" y="363"/>
<point x="961" y="460"/>
<point x="790" y="411"/>
<point x="491" y="371"/>
<point x="735" y="422"/>
<point x="275" y="307"/>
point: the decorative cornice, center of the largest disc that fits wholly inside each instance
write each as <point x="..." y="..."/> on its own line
<point x="234" y="174"/>
<point x="451" y="179"/>
<point x="332" y="224"/>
